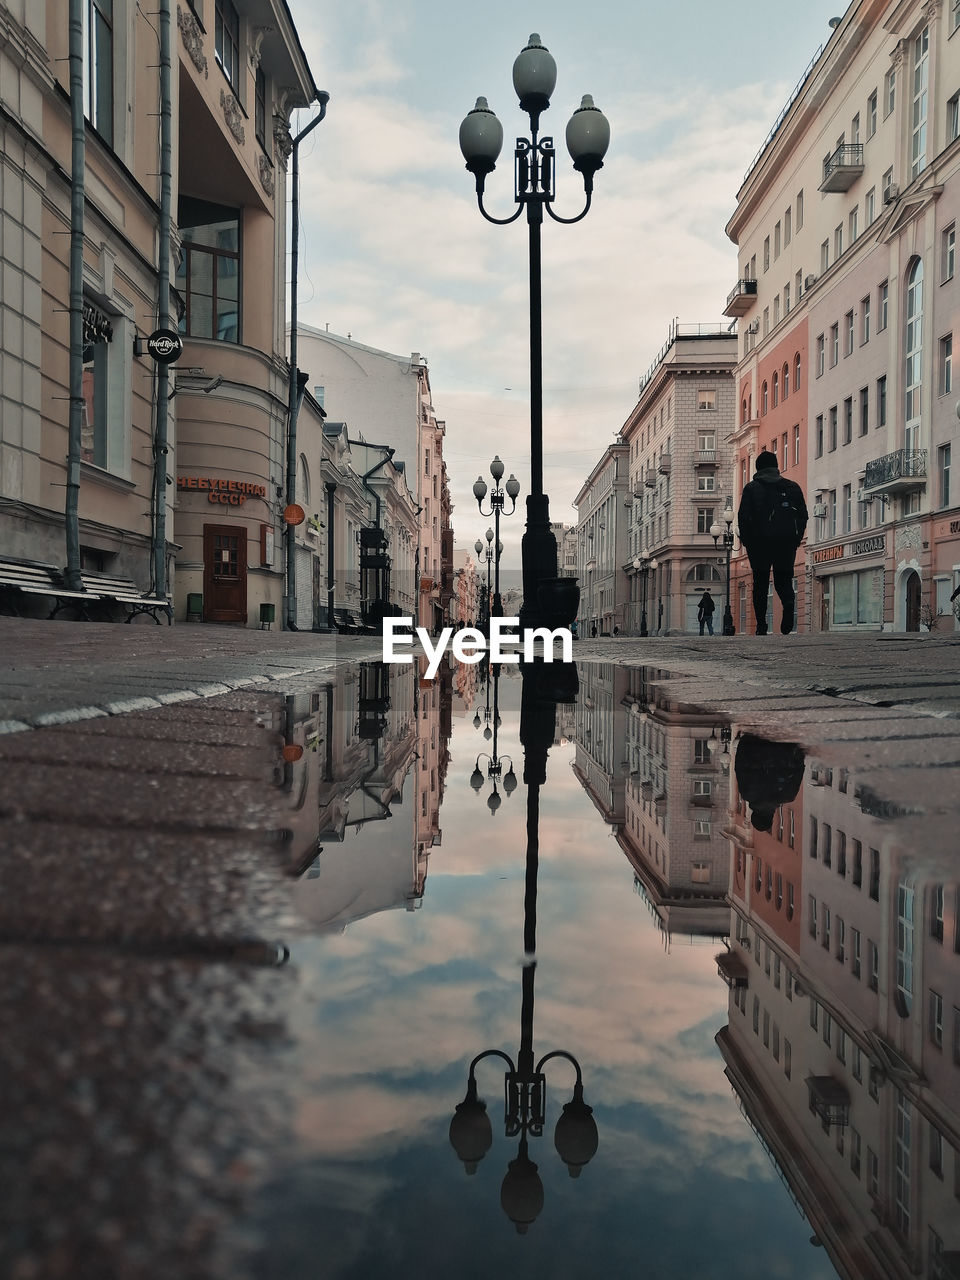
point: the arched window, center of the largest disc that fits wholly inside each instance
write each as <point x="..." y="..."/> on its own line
<point x="796" y="372"/>
<point x="913" y="349"/>
<point x="776" y="389"/>
<point x="744" y="410"/>
<point x="763" y="399"/>
<point x="749" y="406"/>
<point x="786" y="381"/>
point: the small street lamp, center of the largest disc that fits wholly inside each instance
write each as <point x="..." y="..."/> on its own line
<point x="645" y="565"/>
<point x="716" y="532"/>
<point x="587" y="136"/>
<point x="721" y="740"/>
<point x="495" y="761"/>
<point x="498" y="496"/>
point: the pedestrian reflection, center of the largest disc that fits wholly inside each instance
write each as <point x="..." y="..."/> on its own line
<point x="575" y="1136"/>
<point x="769" y="774"/>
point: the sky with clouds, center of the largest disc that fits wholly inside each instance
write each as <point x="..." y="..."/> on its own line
<point x="395" y="253"/>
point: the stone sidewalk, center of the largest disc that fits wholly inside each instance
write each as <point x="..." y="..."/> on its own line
<point x="57" y="672"/>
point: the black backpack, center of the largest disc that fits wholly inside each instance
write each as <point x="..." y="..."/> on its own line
<point x="783" y="518"/>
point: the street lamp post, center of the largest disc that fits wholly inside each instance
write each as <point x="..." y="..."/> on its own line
<point x="498" y="496"/>
<point x="481" y="138"/>
<point x="488" y="555"/>
<point x="495" y="761"/>
<point x="726" y="533"/>
<point x="645" y="565"/>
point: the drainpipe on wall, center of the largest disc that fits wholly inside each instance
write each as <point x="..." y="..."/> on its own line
<point x="71" y="511"/>
<point x="290" y="532"/>
<point x="331" y="487"/>
<point x="160" y="445"/>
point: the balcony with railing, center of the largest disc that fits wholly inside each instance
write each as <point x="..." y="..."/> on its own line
<point x="704" y="457"/>
<point x="741" y="298"/>
<point x="843" y="168"/>
<point x="897" y="472"/>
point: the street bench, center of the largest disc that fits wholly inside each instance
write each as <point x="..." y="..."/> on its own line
<point x="126" y="593"/>
<point x="20" y="578"/>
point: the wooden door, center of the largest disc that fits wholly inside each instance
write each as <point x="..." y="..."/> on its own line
<point x="224" y="573"/>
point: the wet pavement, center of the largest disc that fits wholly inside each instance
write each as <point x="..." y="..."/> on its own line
<point x="333" y="971"/>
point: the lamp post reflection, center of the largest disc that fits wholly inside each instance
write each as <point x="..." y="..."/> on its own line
<point x="525" y="1090"/>
<point x="495" y="761"/>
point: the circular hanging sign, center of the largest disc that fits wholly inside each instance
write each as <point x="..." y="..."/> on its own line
<point x="294" y="514"/>
<point x="165" y="346"/>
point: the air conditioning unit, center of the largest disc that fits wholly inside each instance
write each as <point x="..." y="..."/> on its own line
<point x="890" y="193"/>
<point x="864" y="496"/>
<point x="819" y="510"/>
<point x="809" y="281"/>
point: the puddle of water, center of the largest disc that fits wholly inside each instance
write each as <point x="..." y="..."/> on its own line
<point x="579" y="972"/>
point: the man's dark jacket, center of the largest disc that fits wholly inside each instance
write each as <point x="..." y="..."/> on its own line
<point x="755" y="506"/>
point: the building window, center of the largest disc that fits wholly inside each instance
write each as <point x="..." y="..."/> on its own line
<point x="824" y="256"/>
<point x="883" y="294"/>
<point x="946" y="364"/>
<point x="882" y="401"/>
<point x="834" y="345"/>
<point x="847" y="508"/>
<point x="948" y="252"/>
<point x="799" y="209"/>
<point x="873" y="965"/>
<point x="870" y="207"/>
<point x="763" y="399"/>
<point x="921" y="72"/>
<point x="854" y="229"/>
<point x="889" y="92"/>
<point x="943" y="475"/>
<point x="818" y="439"/>
<point x="864" y="320"/>
<point x="848" y="329"/>
<point x="832" y="444"/>
<point x="796" y="445"/>
<point x="97" y="336"/>
<point x="706" y="398"/>
<point x="776" y="242"/>
<point x="913" y="344"/>
<point x="820" y="354"/>
<point x="209" y="273"/>
<point x="953" y="118"/>
<point x="864" y="410"/>
<point x="787" y="221"/>
<point x="98" y="66"/>
<point x="704" y="519"/>
<point x="260" y="107"/>
<point x="871" y="115"/>
<point x="838" y="242"/>
<point x="936" y="1018"/>
<point x="776" y="389"/>
<point x="904" y="996"/>
<point x="766" y="253"/>
<point x="786" y="299"/>
<point x="706" y="484"/>
<point x="855" y="952"/>
<point x="784" y="458"/>
<point x="227" y="41"/>
<point x="848" y="420"/>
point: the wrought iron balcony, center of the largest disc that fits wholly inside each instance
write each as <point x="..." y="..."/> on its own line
<point x="896" y="472"/>
<point x="741" y="298"/>
<point x="843" y="168"/>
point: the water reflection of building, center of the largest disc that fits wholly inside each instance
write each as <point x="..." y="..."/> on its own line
<point x="654" y="769"/>
<point x="843" y="1041"/>
<point x="365" y="736"/>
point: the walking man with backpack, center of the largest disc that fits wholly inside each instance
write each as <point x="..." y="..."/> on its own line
<point x="772" y="520"/>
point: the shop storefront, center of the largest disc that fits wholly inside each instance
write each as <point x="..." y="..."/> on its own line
<point x="848" y="585"/>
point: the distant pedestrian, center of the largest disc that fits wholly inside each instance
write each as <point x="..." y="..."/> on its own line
<point x="705" y="612"/>
<point x="593" y="632"/>
<point x="616" y="631"/>
<point x="772" y="521"/>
